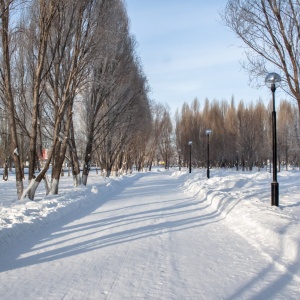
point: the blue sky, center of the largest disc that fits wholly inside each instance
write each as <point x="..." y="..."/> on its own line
<point x="186" y="52"/>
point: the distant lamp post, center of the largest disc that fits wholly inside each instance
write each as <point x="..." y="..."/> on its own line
<point x="190" y="167"/>
<point x="208" y="132"/>
<point x="271" y="80"/>
<point x="179" y="159"/>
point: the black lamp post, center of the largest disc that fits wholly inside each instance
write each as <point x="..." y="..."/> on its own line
<point x="271" y="80"/>
<point x="179" y="158"/>
<point x="190" y="166"/>
<point x="208" y="132"/>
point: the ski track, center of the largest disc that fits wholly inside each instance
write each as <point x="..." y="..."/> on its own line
<point x="151" y="241"/>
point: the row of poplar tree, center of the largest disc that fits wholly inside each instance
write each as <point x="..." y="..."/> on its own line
<point x="270" y="34"/>
<point x="71" y="83"/>
<point x="241" y="134"/>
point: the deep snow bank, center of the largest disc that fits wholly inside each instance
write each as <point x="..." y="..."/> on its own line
<point x="19" y="217"/>
<point x="243" y="200"/>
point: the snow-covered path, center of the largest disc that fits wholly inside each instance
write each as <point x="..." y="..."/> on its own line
<point x="149" y="241"/>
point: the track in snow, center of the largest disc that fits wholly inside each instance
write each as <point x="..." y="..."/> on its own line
<point x="149" y="241"/>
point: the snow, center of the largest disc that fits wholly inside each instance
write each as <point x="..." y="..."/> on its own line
<point x="153" y="235"/>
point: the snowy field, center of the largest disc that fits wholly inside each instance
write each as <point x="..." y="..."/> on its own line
<point x="153" y="235"/>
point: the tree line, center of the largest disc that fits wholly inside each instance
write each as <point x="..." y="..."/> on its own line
<point x="270" y="32"/>
<point x="241" y="135"/>
<point x="72" y="83"/>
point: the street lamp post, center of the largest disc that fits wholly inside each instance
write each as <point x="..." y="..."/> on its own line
<point x="271" y="80"/>
<point x="208" y="132"/>
<point x="190" y="166"/>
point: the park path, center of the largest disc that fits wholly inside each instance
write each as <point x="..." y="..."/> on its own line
<point x="150" y="240"/>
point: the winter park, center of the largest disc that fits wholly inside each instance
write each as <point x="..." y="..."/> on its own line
<point x="149" y="149"/>
<point x="165" y="234"/>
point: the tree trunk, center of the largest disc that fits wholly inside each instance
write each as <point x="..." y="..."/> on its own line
<point x="47" y="12"/>
<point x="74" y="158"/>
<point x="61" y="149"/>
<point x="150" y="166"/>
<point x="85" y="172"/>
<point x="286" y="157"/>
<point x="59" y="157"/>
<point x="88" y="156"/>
<point x="5" y="171"/>
<point x="5" y="11"/>
<point x="34" y="183"/>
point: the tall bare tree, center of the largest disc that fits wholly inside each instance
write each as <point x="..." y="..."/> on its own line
<point x="46" y="10"/>
<point x="165" y="141"/>
<point x="270" y="29"/>
<point x="66" y="52"/>
<point x="158" y="119"/>
<point x="6" y="38"/>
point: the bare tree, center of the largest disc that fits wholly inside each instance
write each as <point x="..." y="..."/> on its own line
<point x="65" y="52"/>
<point x="46" y="11"/>
<point x="105" y="97"/>
<point x="158" y="119"/>
<point x="6" y="7"/>
<point x="183" y="130"/>
<point x="270" y="30"/>
<point x="286" y="120"/>
<point x="165" y="141"/>
<point x="240" y="135"/>
<point x="68" y="46"/>
<point x="231" y="127"/>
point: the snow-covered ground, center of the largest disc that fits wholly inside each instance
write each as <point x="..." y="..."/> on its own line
<point x="156" y="235"/>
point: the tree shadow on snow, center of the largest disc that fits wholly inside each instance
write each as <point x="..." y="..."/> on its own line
<point x="122" y="223"/>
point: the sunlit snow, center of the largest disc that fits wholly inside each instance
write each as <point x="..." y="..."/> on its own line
<point x="153" y="235"/>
